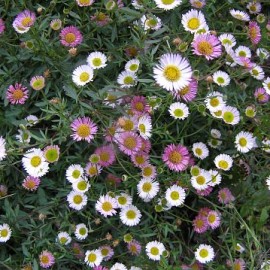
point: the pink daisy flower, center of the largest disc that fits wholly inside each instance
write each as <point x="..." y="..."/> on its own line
<point x="225" y="196"/>
<point x="77" y="251"/>
<point x="100" y="18"/>
<point x="206" y="192"/>
<point x="197" y="3"/>
<point x="200" y="224"/>
<point x="106" y="154"/>
<point x="261" y="95"/>
<point x="2" y="26"/>
<point x="100" y="268"/>
<point x="149" y="172"/>
<point x="140" y="159"/>
<point x="129" y="142"/>
<point x="17" y="94"/>
<point x="146" y="145"/>
<point x="85" y="3"/>
<point x="31" y="183"/>
<point x="239" y="264"/>
<point x="176" y="157"/>
<point x="46" y="259"/>
<point x="23" y="21"/>
<point x="187" y="93"/>
<point x="107" y="252"/>
<point x="213" y="219"/>
<point x="207" y="45"/>
<point x="134" y="247"/>
<point x="244" y="62"/>
<point x="254" y="32"/>
<point x="84" y="129"/>
<point x="204" y="211"/>
<point x="139" y="105"/>
<point x="113" y="180"/>
<point x="70" y="36"/>
<point x="195" y="266"/>
<point x="92" y="169"/>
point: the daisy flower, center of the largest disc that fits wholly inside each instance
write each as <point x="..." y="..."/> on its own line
<point x="151" y="22"/>
<point x="257" y="72"/>
<point x="130" y="215"/>
<point x="167" y="4"/>
<point x="74" y="173"/>
<point x="200" y="150"/>
<point x="250" y="111"/>
<point x="213" y="219"/>
<point x="24" y="136"/>
<point x="85" y="3"/>
<point x="34" y="162"/>
<point x="106" y="205"/>
<point x="225" y="196"/>
<point x="129" y="123"/>
<point x="5" y="233"/>
<point x="176" y="157"/>
<point x="214" y="101"/>
<point x="129" y="142"/>
<point x="266" y="145"/>
<point x="63" y="238"/>
<point x="145" y="126"/>
<point x="140" y="159"/>
<point x="149" y="172"/>
<point x="56" y="24"/>
<point x="37" y="82"/>
<point x="81" y="185"/>
<point x="82" y="75"/>
<point x="31" y="183"/>
<point x="175" y="195"/>
<point x="147" y="189"/>
<point x="187" y="93"/>
<point x="193" y="21"/>
<point x="31" y="120"/>
<point x="243" y="51"/>
<point x="139" y="105"/>
<point x="106" y="252"/>
<point x="2" y="26"/>
<point x="240" y="15"/>
<point x="71" y="36"/>
<point x="118" y="266"/>
<point x="81" y="231"/>
<point x="227" y="40"/>
<point x="146" y="146"/>
<point x="106" y="155"/>
<point x="201" y="182"/>
<point x="262" y="53"/>
<point x="134" y="247"/>
<point x="239" y="264"/>
<point x="97" y="60"/>
<point x="154" y="250"/>
<point x="77" y="200"/>
<point x="254" y="7"/>
<point x="179" y="110"/>
<point x="268" y="182"/>
<point x="51" y="153"/>
<point x="137" y="4"/>
<point x="221" y="78"/>
<point x="244" y="141"/>
<point x="17" y="94"/>
<point x="173" y="72"/>
<point x="239" y="248"/>
<point x="216" y="178"/>
<point x="261" y="95"/>
<point x="200" y="224"/>
<point x="204" y="253"/>
<point x="83" y="129"/>
<point x="230" y="115"/>
<point x="127" y="79"/>
<point x="207" y="45"/>
<point x="266" y="85"/>
<point x="93" y="257"/>
<point x="3" y="152"/>
<point x="23" y="21"/>
<point x="132" y="65"/>
<point x="92" y="169"/>
<point x="123" y="200"/>
<point x="254" y="32"/>
<point x="223" y="162"/>
<point x="46" y="259"/>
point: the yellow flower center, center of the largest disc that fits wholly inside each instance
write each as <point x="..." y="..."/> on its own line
<point x="200" y="180"/>
<point x="220" y="80"/>
<point x="93" y="170"/>
<point x="255" y="72"/>
<point x="83" y="130"/>
<point x="175" y="195"/>
<point x="82" y="231"/>
<point x="183" y="91"/>
<point x="30" y="184"/>
<point x="218" y="113"/>
<point x="214" y="102"/>
<point x="154" y="251"/>
<point x="38" y="84"/>
<point x="76" y="174"/>
<point x="205" y="48"/>
<point x="107" y="206"/>
<point x="84" y="2"/>
<point x="151" y="22"/>
<point x="130" y="142"/>
<point x="142" y="128"/>
<point x="51" y="155"/>
<point x="128" y="125"/>
<point x="226" y="41"/>
<point x="70" y="37"/>
<point x="175" y="157"/>
<point x="77" y="199"/>
<point x="252" y="33"/>
<point x="139" y="159"/>
<point x="198" y="151"/>
<point x="211" y="218"/>
<point x="147" y="171"/>
<point x="82" y="185"/>
<point x="44" y="259"/>
<point x="4" y="233"/>
<point x="122" y="200"/>
<point x="237" y="266"/>
<point x="63" y="240"/>
<point x="243" y="142"/>
<point x="128" y="80"/>
<point x="131" y="214"/>
<point x="223" y="164"/>
<point x="133" y="67"/>
<point x="104" y="252"/>
<point x="228" y="117"/>
<point x="242" y="54"/>
<point x="172" y="73"/>
<point x="139" y="106"/>
<point x="193" y="23"/>
<point x="35" y="161"/>
<point x="199" y="223"/>
<point x="178" y="112"/>
<point x="84" y="76"/>
<point x="17" y="94"/>
<point x="203" y="253"/>
<point x="96" y="62"/>
<point x="104" y="156"/>
<point x="92" y="257"/>
<point x="146" y="187"/>
<point x="26" y="21"/>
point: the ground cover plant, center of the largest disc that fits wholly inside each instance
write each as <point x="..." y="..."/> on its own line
<point x="134" y="134"/>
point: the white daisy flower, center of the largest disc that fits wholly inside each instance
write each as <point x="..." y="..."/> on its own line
<point x="106" y="205"/>
<point x="154" y="250"/>
<point x="230" y="115"/>
<point x="34" y="163"/>
<point x="81" y="231"/>
<point x="179" y="110"/>
<point x="200" y="150"/>
<point x="257" y="72"/>
<point x="267" y="180"/>
<point x="74" y="173"/>
<point x="215" y="133"/>
<point x="3" y="152"/>
<point x="266" y="85"/>
<point x="135" y="268"/>
<point x="145" y="126"/>
<point x="240" y="15"/>
<point x="201" y="181"/>
<point x="204" y="253"/>
<point x="93" y="257"/>
<point x="231" y="57"/>
<point x="123" y="200"/>
<point x="216" y="178"/>
<point x="127" y="79"/>
<point x="239" y="248"/>
<point x="214" y="143"/>
<point x="150" y="22"/>
<point x="221" y="78"/>
<point x="118" y="266"/>
<point x="31" y="120"/>
<point x="97" y="60"/>
<point x="223" y="162"/>
<point x="132" y="65"/>
<point x="63" y="238"/>
<point x="193" y="21"/>
<point x="24" y="136"/>
<point x="262" y="53"/>
<point x="130" y="215"/>
<point x="244" y="141"/>
<point x="147" y="189"/>
<point x="5" y="233"/>
<point x="173" y="72"/>
<point x="227" y="40"/>
<point x="243" y="51"/>
<point x="266" y="145"/>
<point x="214" y="101"/>
<point x="217" y="114"/>
<point x="167" y="5"/>
<point x="77" y="200"/>
<point x="19" y="29"/>
<point x="137" y="4"/>
<point x="81" y="185"/>
<point x="175" y="195"/>
<point x="254" y="7"/>
<point x="149" y="172"/>
<point x="82" y="75"/>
